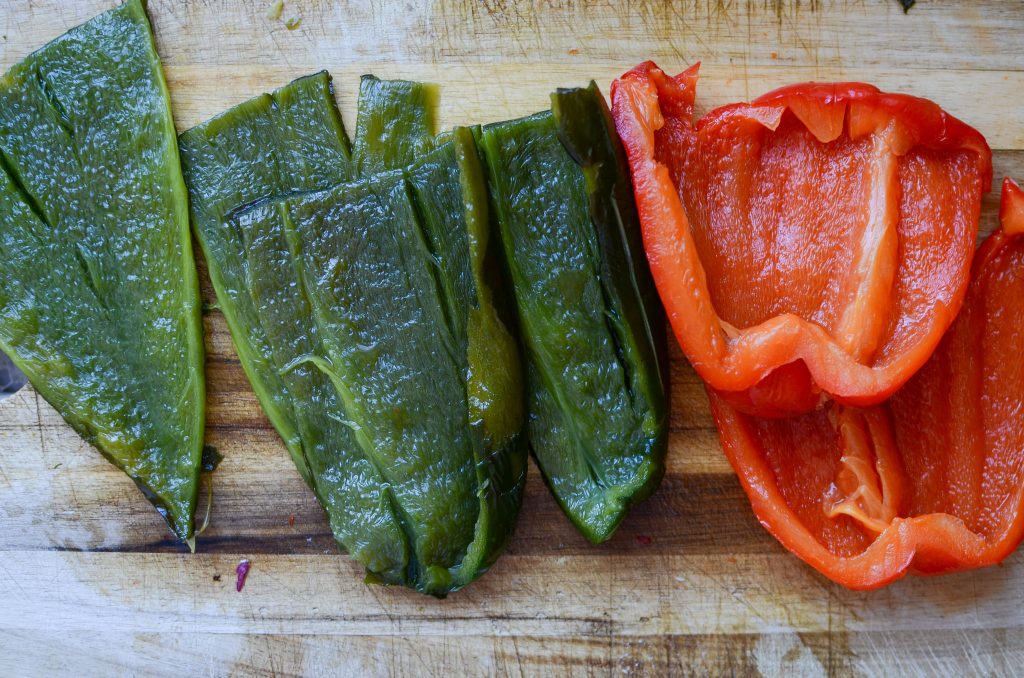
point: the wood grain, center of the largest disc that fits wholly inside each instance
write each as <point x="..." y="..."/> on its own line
<point x="91" y="583"/>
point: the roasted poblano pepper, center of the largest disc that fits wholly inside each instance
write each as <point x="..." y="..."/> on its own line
<point x="377" y="316"/>
<point x="99" y="301"/>
<point x="288" y="141"/>
<point x="588" y="315"/>
<point x="394" y="124"/>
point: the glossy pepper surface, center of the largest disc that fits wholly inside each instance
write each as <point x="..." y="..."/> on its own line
<point x="817" y="239"/>
<point x="930" y="481"/>
<point x="383" y="328"/>
<point x="394" y="124"/>
<point x="588" y="317"/>
<point x="99" y="302"/>
<point x="283" y="142"/>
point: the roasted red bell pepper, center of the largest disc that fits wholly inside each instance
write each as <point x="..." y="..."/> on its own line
<point x="815" y="240"/>
<point x="930" y="481"/>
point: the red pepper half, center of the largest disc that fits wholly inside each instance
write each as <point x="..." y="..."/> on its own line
<point x="816" y="239"/>
<point x="932" y="480"/>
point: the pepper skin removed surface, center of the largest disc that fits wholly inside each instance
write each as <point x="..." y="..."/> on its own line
<point x="816" y="240"/>
<point x="932" y="480"/>
<point x="99" y="299"/>
<point x="592" y="334"/>
<point x="369" y="320"/>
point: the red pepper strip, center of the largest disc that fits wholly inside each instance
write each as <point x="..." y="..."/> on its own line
<point x="932" y="480"/>
<point x="816" y="239"/>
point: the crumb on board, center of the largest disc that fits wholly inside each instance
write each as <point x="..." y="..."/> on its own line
<point x="293" y="23"/>
<point x="276" y="8"/>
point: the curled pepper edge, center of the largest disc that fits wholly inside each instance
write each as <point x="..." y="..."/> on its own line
<point x="891" y="555"/>
<point x="735" y="361"/>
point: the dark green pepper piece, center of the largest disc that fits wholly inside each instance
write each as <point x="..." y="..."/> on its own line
<point x="423" y="498"/>
<point x="288" y="141"/>
<point x="99" y="301"/>
<point x="394" y="125"/>
<point x="587" y="315"/>
<point x="237" y="165"/>
<point x="425" y="375"/>
<point x="585" y="127"/>
<point x="348" y="486"/>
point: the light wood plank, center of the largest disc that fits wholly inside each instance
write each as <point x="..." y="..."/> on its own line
<point x="573" y="595"/>
<point x="822" y="34"/>
<point x="302" y="655"/>
<point x="991" y="652"/>
<point x="59" y="493"/>
<point x="475" y="93"/>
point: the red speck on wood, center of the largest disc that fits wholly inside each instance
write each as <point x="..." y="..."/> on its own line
<point x="291" y="520"/>
<point x="243" y="571"/>
<point x="643" y="539"/>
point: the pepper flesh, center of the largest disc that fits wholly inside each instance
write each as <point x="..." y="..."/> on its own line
<point x="394" y="124"/>
<point x="401" y="346"/>
<point x="380" y="323"/>
<point x="99" y="302"/>
<point x="587" y="317"/>
<point x="932" y="480"/>
<point x="283" y="142"/>
<point x="815" y="240"/>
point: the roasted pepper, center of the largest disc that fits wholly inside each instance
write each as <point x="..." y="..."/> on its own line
<point x="588" y="317"/>
<point x="99" y="302"/>
<point x="394" y="124"/>
<point x="288" y="141"/>
<point x="930" y="481"/>
<point x="385" y="334"/>
<point x="816" y="240"/>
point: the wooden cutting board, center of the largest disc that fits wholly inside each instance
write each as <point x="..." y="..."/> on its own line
<point x="90" y="581"/>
